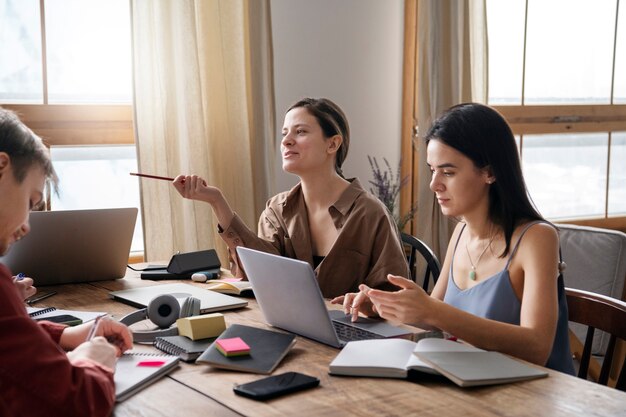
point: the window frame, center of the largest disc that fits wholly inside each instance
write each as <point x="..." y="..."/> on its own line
<point x="75" y="124"/>
<point x="524" y="119"/>
<point x="547" y="119"/>
<point x="69" y="124"/>
<point x="572" y="118"/>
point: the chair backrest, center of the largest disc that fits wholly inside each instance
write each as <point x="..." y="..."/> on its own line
<point x="431" y="263"/>
<point x="598" y="311"/>
<point x="596" y="262"/>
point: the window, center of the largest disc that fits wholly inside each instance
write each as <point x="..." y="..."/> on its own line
<point x="557" y="72"/>
<point x="65" y="67"/>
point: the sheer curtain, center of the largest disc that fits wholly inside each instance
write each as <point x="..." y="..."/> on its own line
<point x="203" y="101"/>
<point x="451" y="69"/>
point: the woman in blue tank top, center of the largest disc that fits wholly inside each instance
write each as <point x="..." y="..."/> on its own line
<point x="500" y="287"/>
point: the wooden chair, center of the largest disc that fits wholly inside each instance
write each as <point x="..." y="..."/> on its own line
<point x="599" y="312"/>
<point x="596" y="262"/>
<point x="433" y="267"/>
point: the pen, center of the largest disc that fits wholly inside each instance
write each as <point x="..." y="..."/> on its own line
<point x="92" y="331"/>
<point x="20" y="276"/>
<point x="41" y="297"/>
<point x="156" y="177"/>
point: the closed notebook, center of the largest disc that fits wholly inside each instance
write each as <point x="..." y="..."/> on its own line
<point x="267" y="349"/>
<point x="183" y="347"/>
<point x="136" y="370"/>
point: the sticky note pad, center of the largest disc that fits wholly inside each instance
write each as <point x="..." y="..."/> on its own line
<point x="234" y="346"/>
<point x="201" y="327"/>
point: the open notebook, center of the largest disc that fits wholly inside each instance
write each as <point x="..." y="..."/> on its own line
<point x="136" y="370"/>
<point x="463" y="364"/>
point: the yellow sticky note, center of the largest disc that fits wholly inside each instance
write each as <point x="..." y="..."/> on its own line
<point x="201" y="327"/>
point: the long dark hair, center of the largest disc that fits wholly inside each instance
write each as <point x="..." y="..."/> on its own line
<point x="481" y="133"/>
<point x="333" y="122"/>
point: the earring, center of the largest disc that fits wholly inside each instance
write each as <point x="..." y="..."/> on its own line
<point x="490" y="181"/>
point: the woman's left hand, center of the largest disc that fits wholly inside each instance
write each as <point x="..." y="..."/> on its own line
<point x="410" y="305"/>
<point x="355" y="303"/>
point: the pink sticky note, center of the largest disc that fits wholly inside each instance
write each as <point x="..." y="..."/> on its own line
<point x="233" y="346"/>
<point x="151" y="363"/>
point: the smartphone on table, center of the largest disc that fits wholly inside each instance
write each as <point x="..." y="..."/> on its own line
<point x="62" y="319"/>
<point x="276" y="385"/>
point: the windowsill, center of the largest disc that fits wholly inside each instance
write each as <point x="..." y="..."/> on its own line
<point x="613" y="223"/>
<point x="136" y="257"/>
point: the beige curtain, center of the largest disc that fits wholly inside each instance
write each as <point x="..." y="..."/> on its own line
<point x="451" y="69"/>
<point x="203" y="104"/>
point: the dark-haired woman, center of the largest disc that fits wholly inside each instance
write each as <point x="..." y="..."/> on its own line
<point x="499" y="287"/>
<point x="343" y="231"/>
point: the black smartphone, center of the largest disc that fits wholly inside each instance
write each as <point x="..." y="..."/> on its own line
<point x="276" y="385"/>
<point x="63" y="319"/>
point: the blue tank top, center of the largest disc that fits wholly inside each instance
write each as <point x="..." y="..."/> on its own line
<point x="495" y="299"/>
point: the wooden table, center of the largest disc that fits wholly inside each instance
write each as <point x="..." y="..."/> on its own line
<point x="199" y="390"/>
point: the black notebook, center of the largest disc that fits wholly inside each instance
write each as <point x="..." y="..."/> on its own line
<point x="183" y="347"/>
<point x="267" y="349"/>
<point x="136" y="370"/>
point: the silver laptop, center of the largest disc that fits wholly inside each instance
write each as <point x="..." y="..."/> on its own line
<point x="289" y="296"/>
<point x="210" y="301"/>
<point x="71" y="246"/>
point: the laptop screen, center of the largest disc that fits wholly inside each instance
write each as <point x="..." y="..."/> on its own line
<point x="72" y="246"/>
<point x="288" y="294"/>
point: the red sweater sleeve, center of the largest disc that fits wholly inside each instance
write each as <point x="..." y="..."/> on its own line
<point x="36" y="378"/>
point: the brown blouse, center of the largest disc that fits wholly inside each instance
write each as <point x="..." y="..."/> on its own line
<point x="367" y="248"/>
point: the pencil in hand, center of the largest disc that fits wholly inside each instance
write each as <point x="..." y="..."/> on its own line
<point x="156" y="177"/>
<point x="94" y="328"/>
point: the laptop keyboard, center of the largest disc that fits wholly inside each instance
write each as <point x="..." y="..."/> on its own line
<point x="348" y="333"/>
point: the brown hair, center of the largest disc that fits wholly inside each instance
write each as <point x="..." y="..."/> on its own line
<point x="24" y="148"/>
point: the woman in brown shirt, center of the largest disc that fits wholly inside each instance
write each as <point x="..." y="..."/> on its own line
<point x="331" y="222"/>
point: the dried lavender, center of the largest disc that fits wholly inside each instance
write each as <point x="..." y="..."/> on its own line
<point x="387" y="186"/>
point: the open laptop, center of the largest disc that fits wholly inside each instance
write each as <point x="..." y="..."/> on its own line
<point x="289" y="297"/>
<point x="71" y="246"/>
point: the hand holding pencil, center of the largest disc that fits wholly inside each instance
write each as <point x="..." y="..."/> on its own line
<point x="114" y="332"/>
<point x="194" y="187"/>
<point x="189" y="186"/>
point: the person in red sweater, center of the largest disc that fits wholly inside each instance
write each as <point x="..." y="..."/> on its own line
<point x="45" y="368"/>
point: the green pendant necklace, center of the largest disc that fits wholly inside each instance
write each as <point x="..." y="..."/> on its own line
<point x="472" y="273"/>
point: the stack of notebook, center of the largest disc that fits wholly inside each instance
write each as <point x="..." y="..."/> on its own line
<point x="186" y="349"/>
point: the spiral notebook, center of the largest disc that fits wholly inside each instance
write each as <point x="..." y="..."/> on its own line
<point x="46" y="312"/>
<point x="183" y="347"/>
<point x="136" y="370"/>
